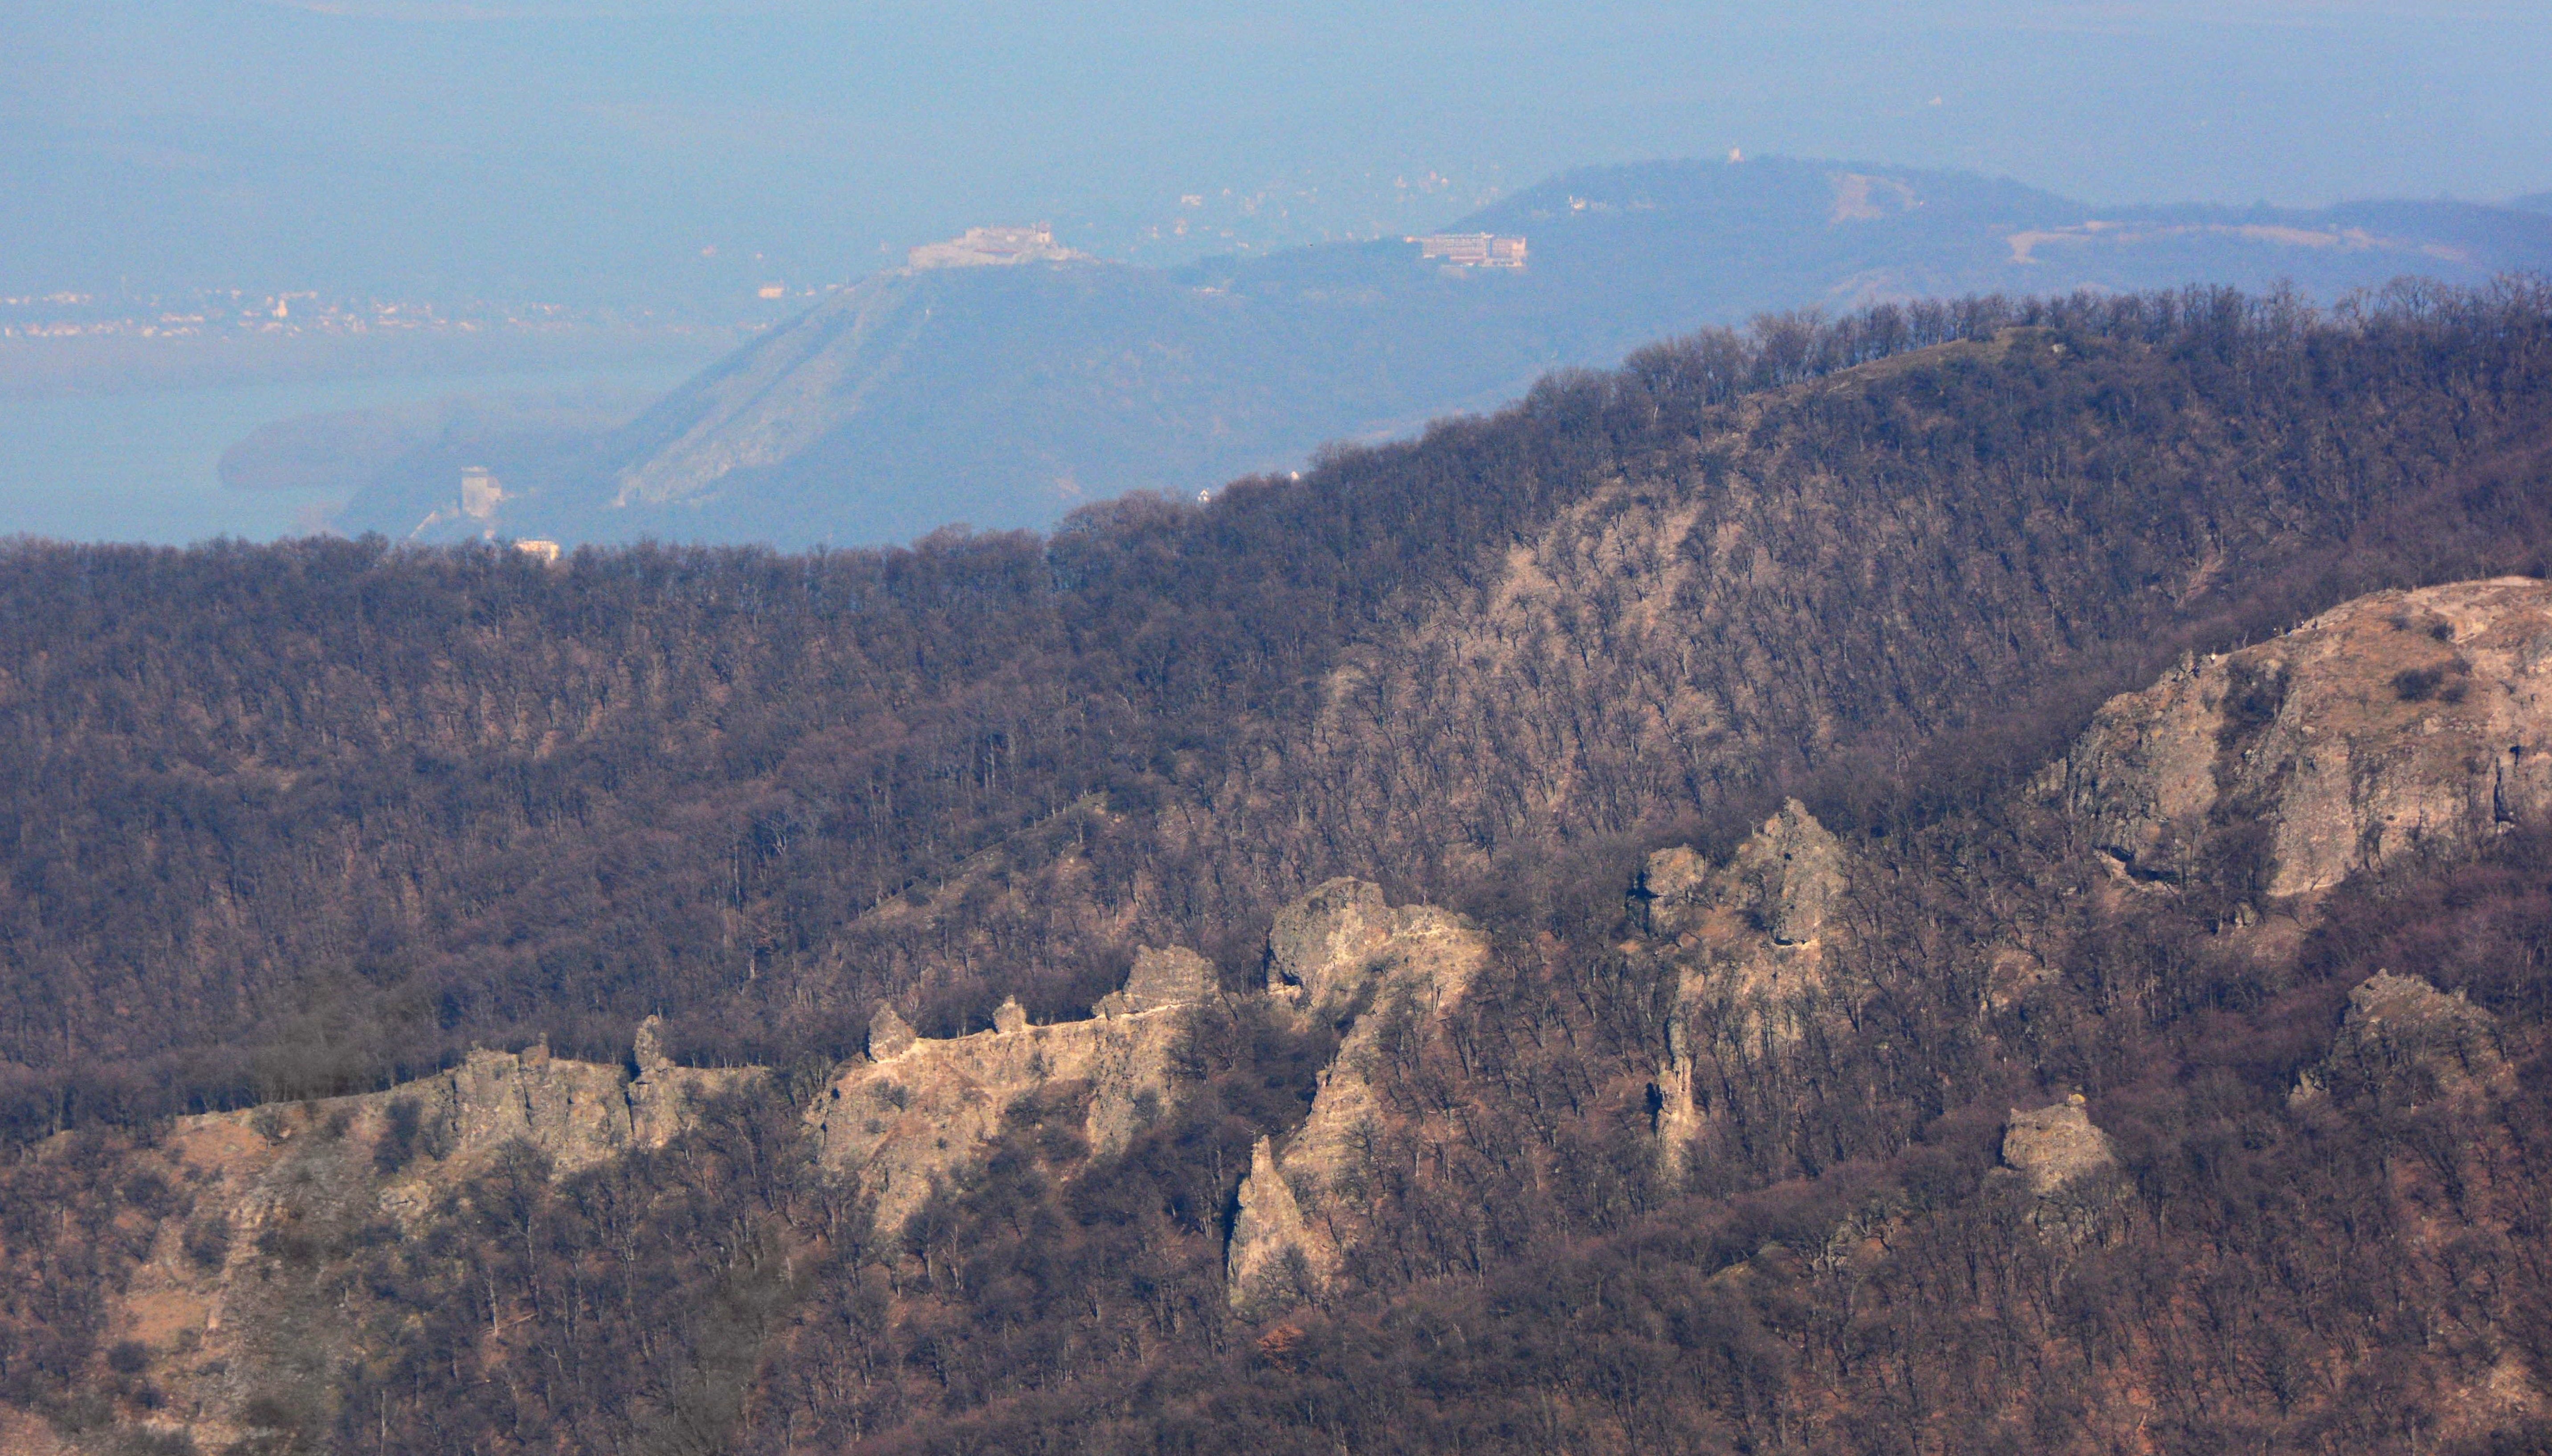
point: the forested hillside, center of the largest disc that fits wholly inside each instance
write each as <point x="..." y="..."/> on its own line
<point x="1718" y="1147"/>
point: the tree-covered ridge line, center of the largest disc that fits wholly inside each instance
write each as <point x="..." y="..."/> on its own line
<point x="317" y="816"/>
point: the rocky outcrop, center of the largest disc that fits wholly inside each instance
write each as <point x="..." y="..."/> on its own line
<point x="2067" y="1165"/>
<point x="2406" y="1041"/>
<point x="890" y="1036"/>
<point x="918" y="1112"/>
<point x="2057" y="1147"/>
<point x="574" y="1114"/>
<point x="1171" y="976"/>
<point x="1779" y="886"/>
<point x="2403" y="723"/>
<point x="1275" y="1255"/>
<point x="1748" y="939"/>
<point x="226" y="1316"/>
<point x="1344" y="954"/>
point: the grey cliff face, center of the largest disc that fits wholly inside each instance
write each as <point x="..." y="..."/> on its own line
<point x="1749" y="943"/>
<point x="919" y="1111"/>
<point x="2399" y="725"/>
<point x="1342" y="946"/>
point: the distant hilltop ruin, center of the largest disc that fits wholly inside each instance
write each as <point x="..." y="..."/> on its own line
<point x="990" y="246"/>
<point x="1472" y="249"/>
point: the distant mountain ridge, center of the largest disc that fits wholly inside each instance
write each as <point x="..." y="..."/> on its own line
<point x="1007" y="397"/>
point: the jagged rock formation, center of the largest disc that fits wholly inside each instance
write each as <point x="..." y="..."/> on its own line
<point x="2400" y="723"/>
<point x="1781" y="883"/>
<point x="1276" y="1255"/>
<point x="1749" y="938"/>
<point x="919" y="1112"/>
<point x="1339" y="953"/>
<point x="2404" y="1040"/>
<point x="218" y="1297"/>
<point x="574" y="1114"/>
<point x="889" y="1035"/>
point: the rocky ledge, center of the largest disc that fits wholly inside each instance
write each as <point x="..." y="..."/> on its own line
<point x="2401" y="724"/>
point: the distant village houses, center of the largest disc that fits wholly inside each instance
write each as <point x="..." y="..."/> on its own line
<point x="1472" y="249"/>
<point x="992" y="246"/>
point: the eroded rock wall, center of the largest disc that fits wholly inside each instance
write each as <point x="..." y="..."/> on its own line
<point x="2399" y="724"/>
<point x="224" y="1304"/>
<point x="916" y="1113"/>
<point x="1392" y="975"/>
<point x="1748" y="941"/>
<point x="2407" y="1041"/>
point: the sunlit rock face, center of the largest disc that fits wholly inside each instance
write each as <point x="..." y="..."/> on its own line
<point x="2057" y="1147"/>
<point x="1749" y="941"/>
<point x="226" y="1313"/>
<point x="1342" y="952"/>
<point x="2402" y="724"/>
<point x="919" y="1111"/>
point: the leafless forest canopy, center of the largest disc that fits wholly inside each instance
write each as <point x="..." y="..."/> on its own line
<point x="283" y="822"/>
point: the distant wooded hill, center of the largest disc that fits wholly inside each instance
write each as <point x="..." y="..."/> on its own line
<point x="1007" y="397"/>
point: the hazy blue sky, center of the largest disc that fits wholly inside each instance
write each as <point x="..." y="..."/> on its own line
<point x="588" y="148"/>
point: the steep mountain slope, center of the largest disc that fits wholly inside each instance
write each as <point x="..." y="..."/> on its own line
<point x="1965" y="879"/>
<point x="1006" y="396"/>
<point x="352" y="811"/>
<point x="1958" y="1136"/>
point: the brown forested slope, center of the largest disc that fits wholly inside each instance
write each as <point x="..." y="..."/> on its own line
<point x="1759" y="1148"/>
<point x="305" y="817"/>
<point x="1993" y="1146"/>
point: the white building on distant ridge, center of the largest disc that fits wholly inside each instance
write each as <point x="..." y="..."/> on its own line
<point x="992" y="246"/>
<point x="1472" y="249"/>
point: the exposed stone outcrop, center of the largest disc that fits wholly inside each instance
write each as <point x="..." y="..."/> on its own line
<point x="919" y="1112"/>
<point x="888" y="1035"/>
<point x="1749" y="938"/>
<point x="1340" y="952"/>
<point x="1171" y="976"/>
<point x="2408" y="1041"/>
<point x="574" y="1114"/>
<point x="270" y="1177"/>
<point x="1275" y="1255"/>
<point x="2400" y="723"/>
<point x="2055" y="1147"/>
<point x="2068" y="1164"/>
<point x="1780" y="883"/>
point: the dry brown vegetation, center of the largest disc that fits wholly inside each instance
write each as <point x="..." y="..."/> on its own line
<point x="309" y="818"/>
